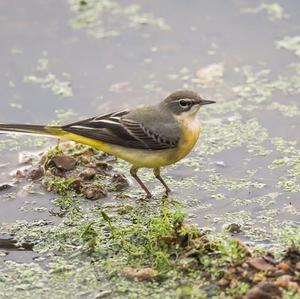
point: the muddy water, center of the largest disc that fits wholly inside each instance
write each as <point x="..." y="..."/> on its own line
<point x="59" y="64"/>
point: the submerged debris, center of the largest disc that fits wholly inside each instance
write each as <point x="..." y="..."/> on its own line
<point x="6" y="187"/>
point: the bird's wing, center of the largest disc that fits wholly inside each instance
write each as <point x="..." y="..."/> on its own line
<point x="121" y="129"/>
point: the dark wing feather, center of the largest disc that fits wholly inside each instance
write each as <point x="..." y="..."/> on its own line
<point x="115" y="128"/>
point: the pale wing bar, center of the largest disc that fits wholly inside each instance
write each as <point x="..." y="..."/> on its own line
<point x="115" y="128"/>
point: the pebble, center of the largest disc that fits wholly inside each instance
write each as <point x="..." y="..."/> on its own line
<point x="283" y="266"/>
<point x="88" y="174"/>
<point x="264" y="290"/>
<point x="103" y="166"/>
<point x="223" y="282"/>
<point x="64" y="163"/>
<point x="234" y="228"/>
<point x="139" y="274"/>
<point x="36" y="173"/>
<point x="93" y="192"/>
<point x="120" y="182"/>
<point x="283" y="281"/>
<point x="260" y="264"/>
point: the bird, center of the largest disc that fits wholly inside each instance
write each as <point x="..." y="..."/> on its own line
<point x="146" y="137"/>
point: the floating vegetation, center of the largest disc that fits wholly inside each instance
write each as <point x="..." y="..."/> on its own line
<point x="291" y="161"/>
<point x="211" y="75"/>
<point x="108" y="18"/>
<point x="99" y="239"/>
<point x="291" y="43"/>
<point x="274" y="11"/>
<point x="48" y="80"/>
<point x="220" y="135"/>
<point x="137" y="252"/>
<point x="286" y="110"/>
<point x="259" y="87"/>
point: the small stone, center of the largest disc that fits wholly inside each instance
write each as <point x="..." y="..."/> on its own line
<point x="223" y="282"/>
<point x="234" y="228"/>
<point x="64" y="163"/>
<point x="283" y="266"/>
<point x="297" y="267"/>
<point x="36" y="173"/>
<point x="48" y="173"/>
<point x="88" y="174"/>
<point x="120" y="182"/>
<point x="139" y="274"/>
<point x="260" y="264"/>
<point x="20" y="174"/>
<point x="103" y="166"/>
<point x="85" y="159"/>
<point x="258" y="277"/>
<point x="294" y="286"/>
<point x="283" y="281"/>
<point x="264" y="290"/>
<point x="93" y="192"/>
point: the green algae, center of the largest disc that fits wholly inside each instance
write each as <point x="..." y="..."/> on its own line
<point x="290" y="161"/>
<point x="60" y="281"/>
<point x="216" y="181"/>
<point x="99" y="246"/>
<point x="286" y="110"/>
<point x="209" y="76"/>
<point x="219" y="135"/>
<point x="108" y="18"/>
<point x="17" y="142"/>
<point x="225" y="129"/>
<point x="291" y="43"/>
<point x="48" y="80"/>
<point x="259" y="87"/>
<point x="274" y="11"/>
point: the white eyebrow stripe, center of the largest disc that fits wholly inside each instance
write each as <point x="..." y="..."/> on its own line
<point x="188" y="100"/>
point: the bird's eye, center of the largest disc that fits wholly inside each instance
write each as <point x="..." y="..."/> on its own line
<point x="183" y="103"/>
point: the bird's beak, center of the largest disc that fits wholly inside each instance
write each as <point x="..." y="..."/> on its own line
<point x="205" y="102"/>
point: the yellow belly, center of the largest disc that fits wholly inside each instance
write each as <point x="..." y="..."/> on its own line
<point x="140" y="157"/>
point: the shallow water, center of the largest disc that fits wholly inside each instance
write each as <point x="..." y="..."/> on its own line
<point x="53" y="71"/>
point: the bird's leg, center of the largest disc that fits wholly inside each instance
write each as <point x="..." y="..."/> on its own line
<point x="156" y="172"/>
<point x="133" y="172"/>
<point x="57" y="143"/>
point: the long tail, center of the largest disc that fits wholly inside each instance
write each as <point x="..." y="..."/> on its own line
<point x="54" y="131"/>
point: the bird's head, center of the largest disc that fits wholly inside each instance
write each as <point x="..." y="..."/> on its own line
<point x="184" y="102"/>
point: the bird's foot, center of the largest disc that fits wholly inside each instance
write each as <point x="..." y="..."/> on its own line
<point x="167" y="192"/>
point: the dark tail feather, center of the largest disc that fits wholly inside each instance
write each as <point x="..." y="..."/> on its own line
<point x="32" y="129"/>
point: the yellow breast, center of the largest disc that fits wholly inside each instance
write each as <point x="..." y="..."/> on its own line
<point x="190" y="128"/>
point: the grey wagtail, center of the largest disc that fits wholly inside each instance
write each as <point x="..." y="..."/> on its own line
<point x="147" y="137"/>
